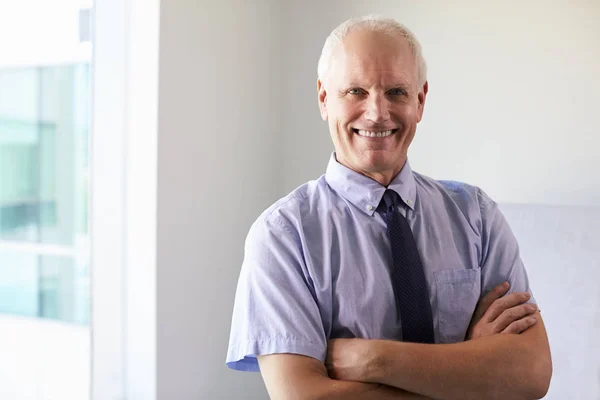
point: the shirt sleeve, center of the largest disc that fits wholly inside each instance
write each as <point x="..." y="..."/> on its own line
<point x="274" y="310"/>
<point x="501" y="260"/>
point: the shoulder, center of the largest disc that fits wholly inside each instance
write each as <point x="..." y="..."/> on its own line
<point x="279" y="232"/>
<point x="461" y="193"/>
<point x="459" y="201"/>
<point x="290" y="211"/>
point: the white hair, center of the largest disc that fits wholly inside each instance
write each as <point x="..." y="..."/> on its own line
<point x="376" y="24"/>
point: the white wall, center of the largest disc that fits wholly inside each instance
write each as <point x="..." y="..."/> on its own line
<point x="218" y="157"/>
<point x="513" y="96"/>
<point x="559" y="245"/>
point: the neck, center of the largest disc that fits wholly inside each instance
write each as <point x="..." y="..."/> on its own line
<point x="383" y="177"/>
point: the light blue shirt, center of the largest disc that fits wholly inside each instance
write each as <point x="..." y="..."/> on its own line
<point x="317" y="263"/>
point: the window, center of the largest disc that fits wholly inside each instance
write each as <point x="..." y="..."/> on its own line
<point x="60" y="258"/>
<point x="45" y="57"/>
<point x="44" y="192"/>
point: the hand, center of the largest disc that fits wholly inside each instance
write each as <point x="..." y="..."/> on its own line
<point x="496" y="313"/>
<point x="347" y="359"/>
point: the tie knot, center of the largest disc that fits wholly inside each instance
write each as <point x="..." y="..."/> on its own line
<point x="390" y="199"/>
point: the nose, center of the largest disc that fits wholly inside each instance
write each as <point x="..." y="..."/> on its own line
<point x="377" y="109"/>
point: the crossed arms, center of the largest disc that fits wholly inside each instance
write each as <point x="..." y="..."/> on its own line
<point x="506" y="356"/>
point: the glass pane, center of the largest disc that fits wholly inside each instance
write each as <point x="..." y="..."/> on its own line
<point x="44" y="154"/>
<point x="44" y="286"/>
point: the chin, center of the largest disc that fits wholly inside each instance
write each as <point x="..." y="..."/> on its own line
<point x="379" y="161"/>
<point x="373" y="167"/>
<point x="382" y="164"/>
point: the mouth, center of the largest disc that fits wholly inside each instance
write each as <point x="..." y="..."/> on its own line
<point x="374" y="134"/>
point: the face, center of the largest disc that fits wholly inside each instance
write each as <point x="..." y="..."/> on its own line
<point x="372" y="102"/>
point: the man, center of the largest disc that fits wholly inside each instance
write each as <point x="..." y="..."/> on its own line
<point x="370" y="283"/>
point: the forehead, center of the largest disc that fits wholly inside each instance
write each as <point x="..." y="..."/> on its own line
<point x="373" y="57"/>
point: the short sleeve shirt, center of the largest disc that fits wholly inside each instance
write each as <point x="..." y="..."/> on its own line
<point x="317" y="263"/>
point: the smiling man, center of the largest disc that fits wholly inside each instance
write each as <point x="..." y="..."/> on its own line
<point x="376" y="282"/>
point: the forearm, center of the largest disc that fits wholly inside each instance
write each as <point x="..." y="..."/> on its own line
<point x="325" y="388"/>
<point x="492" y="367"/>
<point x="290" y="376"/>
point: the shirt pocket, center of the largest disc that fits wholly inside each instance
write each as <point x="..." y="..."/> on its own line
<point x="458" y="292"/>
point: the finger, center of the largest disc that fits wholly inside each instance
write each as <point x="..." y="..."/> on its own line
<point x="504" y="303"/>
<point x="513" y="314"/>
<point x="520" y="325"/>
<point x="484" y="304"/>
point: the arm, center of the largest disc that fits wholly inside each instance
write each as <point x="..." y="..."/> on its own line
<point x="507" y="366"/>
<point x="493" y="367"/>
<point x="277" y="318"/>
<point x="496" y="366"/>
<point x="292" y="376"/>
<point x="496" y="314"/>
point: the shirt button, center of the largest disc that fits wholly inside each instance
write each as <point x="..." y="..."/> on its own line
<point x="370" y="207"/>
<point x="410" y="202"/>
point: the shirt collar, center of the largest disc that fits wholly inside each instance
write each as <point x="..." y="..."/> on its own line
<point x="366" y="193"/>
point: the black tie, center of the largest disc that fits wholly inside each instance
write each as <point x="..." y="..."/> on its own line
<point x="408" y="277"/>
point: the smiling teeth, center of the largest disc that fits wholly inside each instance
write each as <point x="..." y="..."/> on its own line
<point x="374" y="134"/>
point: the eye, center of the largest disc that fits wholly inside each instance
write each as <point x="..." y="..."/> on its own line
<point x="397" y="92"/>
<point x="356" y="91"/>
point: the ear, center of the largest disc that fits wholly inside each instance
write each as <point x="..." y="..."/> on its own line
<point x="322" y="96"/>
<point x="421" y="98"/>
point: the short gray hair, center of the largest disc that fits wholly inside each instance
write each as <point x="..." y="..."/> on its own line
<point x="376" y="24"/>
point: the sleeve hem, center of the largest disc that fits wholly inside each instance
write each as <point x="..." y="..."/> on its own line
<point x="242" y="356"/>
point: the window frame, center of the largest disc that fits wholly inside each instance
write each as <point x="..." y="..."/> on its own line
<point x="123" y="199"/>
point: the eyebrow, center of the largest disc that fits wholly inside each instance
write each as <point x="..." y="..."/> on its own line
<point x="402" y="85"/>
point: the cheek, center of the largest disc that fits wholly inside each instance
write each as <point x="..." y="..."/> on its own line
<point x="348" y="112"/>
<point x="408" y="114"/>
